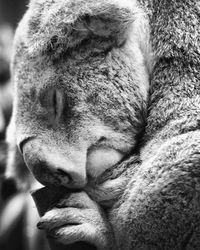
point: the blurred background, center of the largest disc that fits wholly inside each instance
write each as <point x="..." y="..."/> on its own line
<point x="16" y="231"/>
<point x="11" y="11"/>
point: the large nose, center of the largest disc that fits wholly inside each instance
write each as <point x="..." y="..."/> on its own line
<point x="51" y="167"/>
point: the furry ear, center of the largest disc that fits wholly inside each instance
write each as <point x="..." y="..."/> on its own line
<point x="60" y="26"/>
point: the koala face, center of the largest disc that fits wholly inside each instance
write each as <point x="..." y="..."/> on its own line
<point x="79" y="113"/>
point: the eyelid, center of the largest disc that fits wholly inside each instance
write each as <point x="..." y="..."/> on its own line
<point x="52" y="100"/>
<point x="58" y="103"/>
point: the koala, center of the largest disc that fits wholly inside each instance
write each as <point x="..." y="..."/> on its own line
<point x="81" y="92"/>
<point x="82" y="73"/>
<point x="85" y="114"/>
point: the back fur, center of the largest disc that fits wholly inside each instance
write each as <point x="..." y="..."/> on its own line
<point x="160" y="208"/>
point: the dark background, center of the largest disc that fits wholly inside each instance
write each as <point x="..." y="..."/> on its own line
<point x="11" y="11"/>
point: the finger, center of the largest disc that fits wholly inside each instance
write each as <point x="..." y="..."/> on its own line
<point x="85" y="233"/>
<point x="107" y="192"/>
<point x="71" y="234"/>
<point x="77" y="200"/>
<point x="59" y="217"/>
<point x="67" y="234"/>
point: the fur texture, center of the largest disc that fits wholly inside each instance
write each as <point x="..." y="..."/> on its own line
<point x="160" y="208"/>
<point x="154" y="196"/>
<point x="77" y="98"/>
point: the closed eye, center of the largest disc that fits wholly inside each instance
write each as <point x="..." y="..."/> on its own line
<point x="57" y="103"/>
<point x="52" y="100"/>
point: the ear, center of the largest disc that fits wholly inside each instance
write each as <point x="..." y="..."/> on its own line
<point x="62" y="26"/>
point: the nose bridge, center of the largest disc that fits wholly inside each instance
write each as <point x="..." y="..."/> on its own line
<point x="52" y="166"/>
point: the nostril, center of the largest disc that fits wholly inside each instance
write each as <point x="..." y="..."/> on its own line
<point x="53" y="168"/>
<point x="64" y="174"/>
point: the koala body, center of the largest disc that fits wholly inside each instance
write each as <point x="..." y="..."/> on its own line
<point x="81" y="72"/>
<point x="160" y="207"/>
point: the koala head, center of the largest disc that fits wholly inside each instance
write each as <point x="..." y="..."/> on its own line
<point x="81" y="86"/>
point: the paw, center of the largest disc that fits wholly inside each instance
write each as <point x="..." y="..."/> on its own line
<point x="110" y="186"/>
<point x="107" y="193"/>
<point x="77" y="218"/>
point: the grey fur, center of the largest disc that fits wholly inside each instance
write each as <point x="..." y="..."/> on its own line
<point x="155" y="199"/>
<point x="160" y="208"/>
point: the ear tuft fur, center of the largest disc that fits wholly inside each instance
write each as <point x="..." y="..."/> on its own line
<point x="58" y="26"/>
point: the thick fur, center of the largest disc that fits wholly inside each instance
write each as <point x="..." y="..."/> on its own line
<point x="92" y="60"/>
<point x="155" y="197"/>
<point x="160" y="208"/>
<point x="95" y="76"/>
